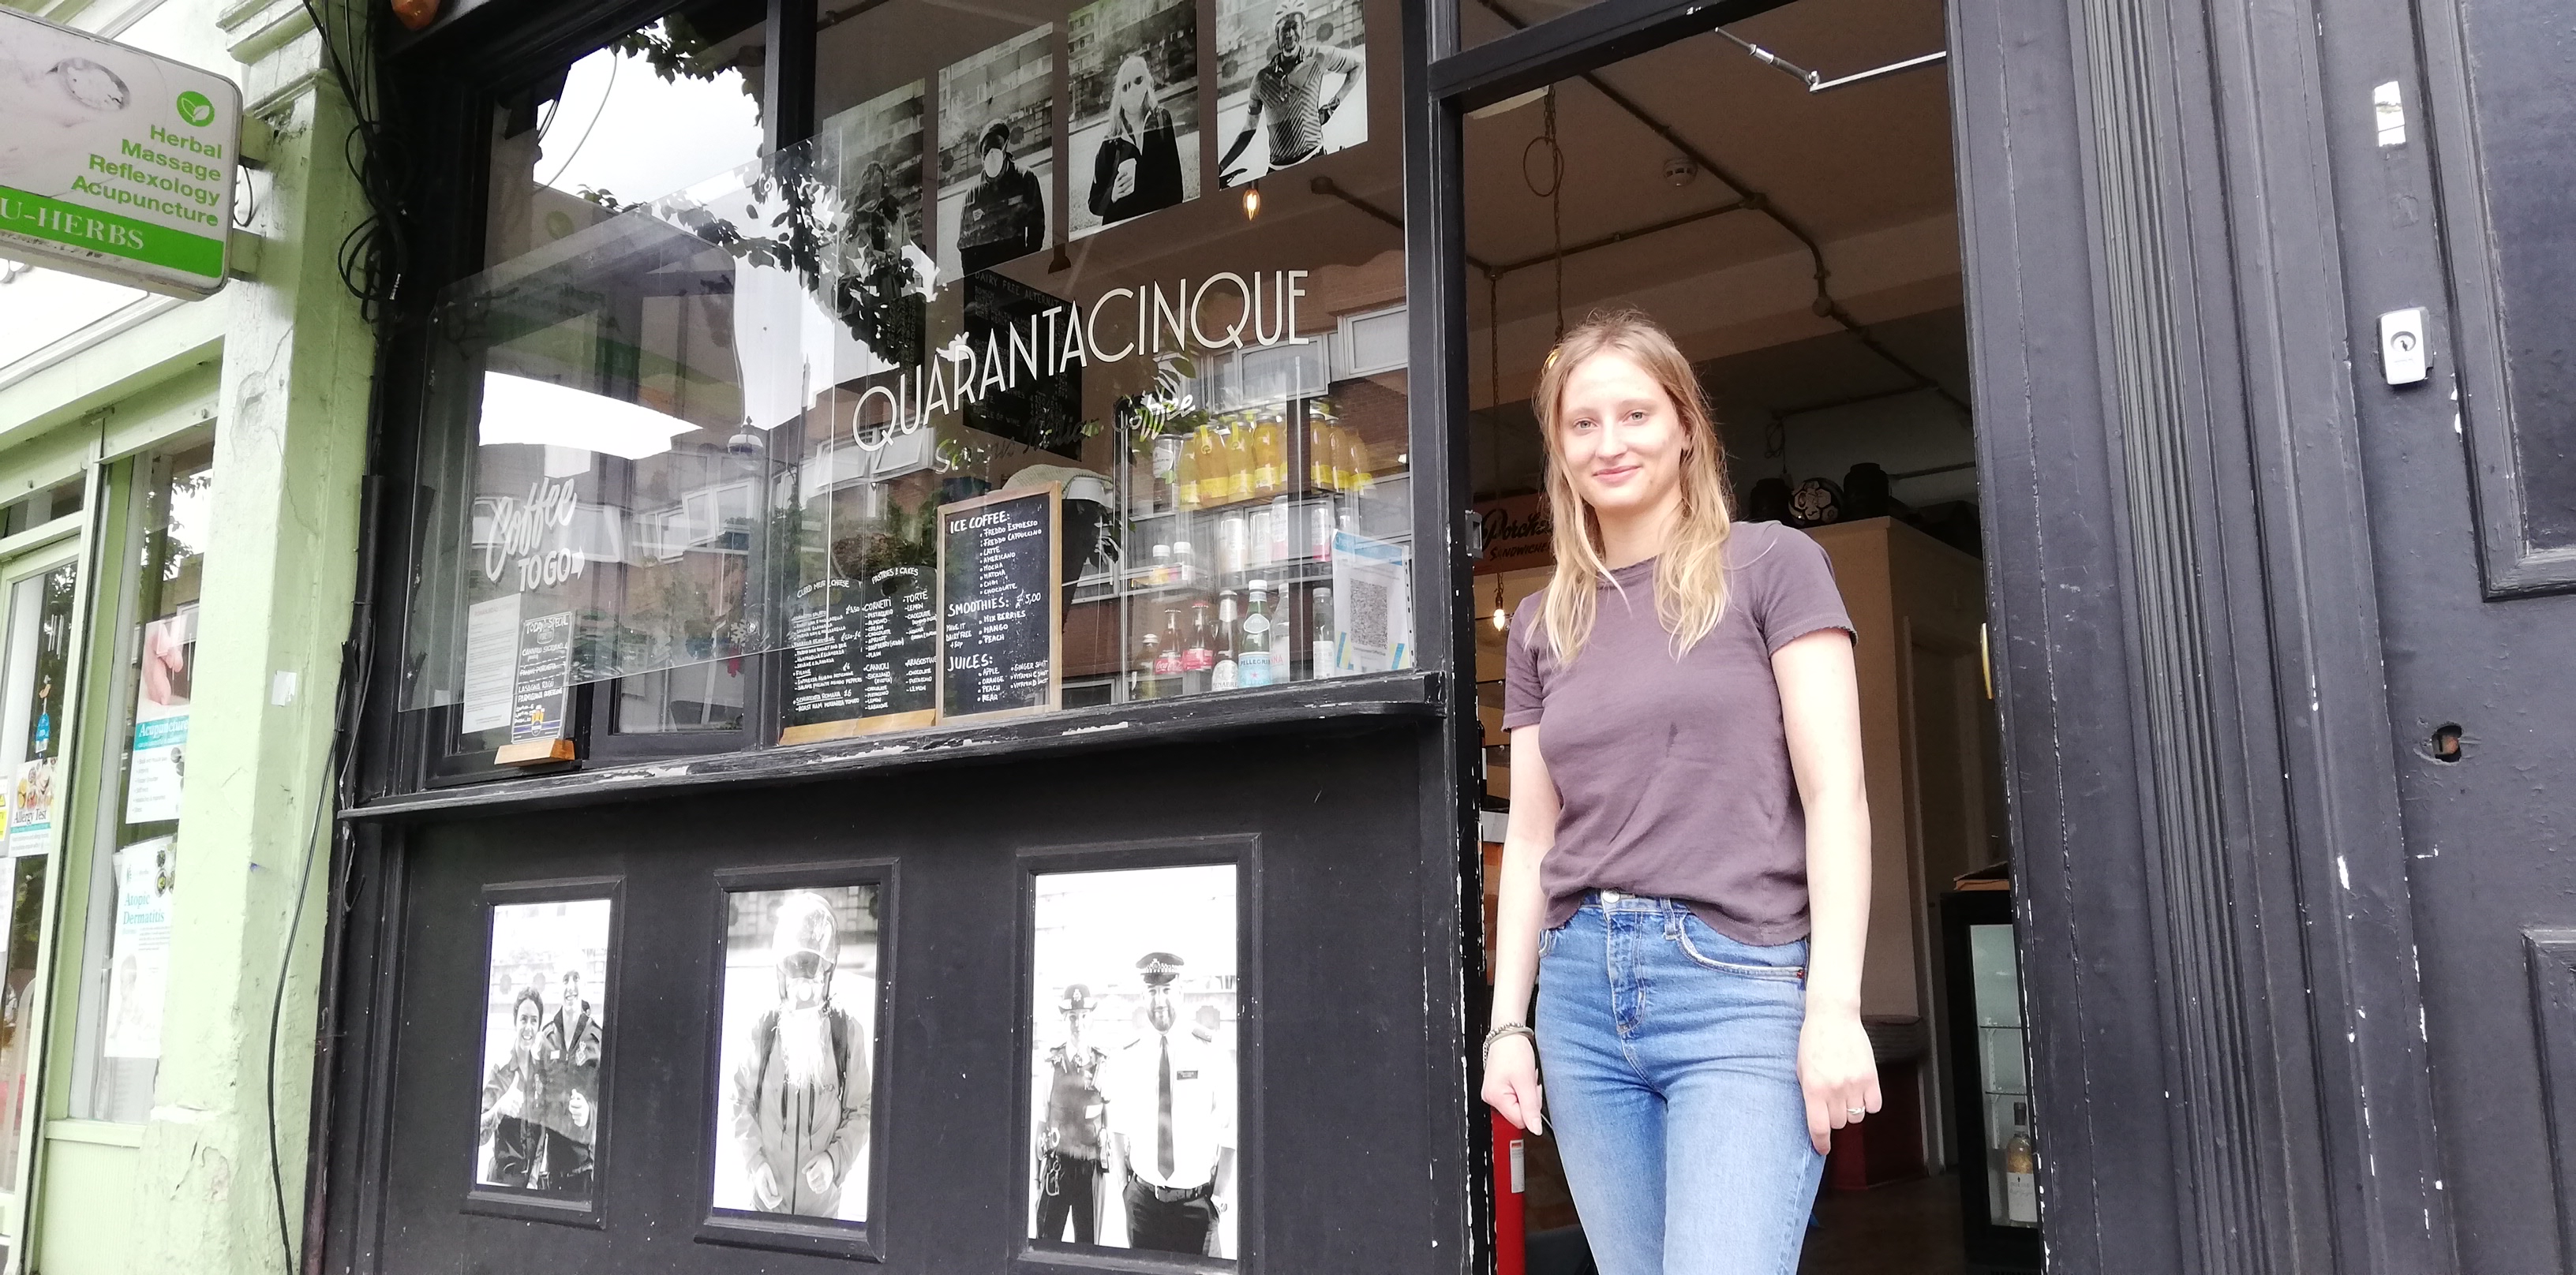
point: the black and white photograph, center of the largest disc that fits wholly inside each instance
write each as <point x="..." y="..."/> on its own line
<point x="1292" y="84"/>
<point x="1133" y="1077"/>
<point x="996" y="154"/>
<point x="794" y="1080"/>
<point x="881" y="267"/>
<point x="1133" y="142"/>
<point x="543" y="1044"/>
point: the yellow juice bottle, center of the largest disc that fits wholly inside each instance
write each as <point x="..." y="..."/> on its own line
<point x="1209" y="466"/>
<point x="1185" y="476"/>
<point x="1269" y="463"/>
<point x="1361" y="480"/>
<point x="1238" y="458"/>
<point x="1319" y="450"/>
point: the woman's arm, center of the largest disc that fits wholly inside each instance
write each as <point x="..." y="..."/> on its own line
<point x="1511" y="1073"/>
<point x="1820" y="706"/>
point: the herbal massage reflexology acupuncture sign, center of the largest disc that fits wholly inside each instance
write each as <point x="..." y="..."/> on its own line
<point x="114" y="163"/>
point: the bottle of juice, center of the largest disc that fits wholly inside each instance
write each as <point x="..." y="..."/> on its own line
<point x="1185" y="473"/>
<point x="1356" y="462"/>
<point x="1269" y="462"/>
<point x="1208" y="466"/>
<point x="1319" y="446"/>
<point x="1238" y="458"/>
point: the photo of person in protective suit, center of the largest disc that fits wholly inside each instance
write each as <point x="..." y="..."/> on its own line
<point x="798" y="1095"/>
<point x="567" y="1057"/>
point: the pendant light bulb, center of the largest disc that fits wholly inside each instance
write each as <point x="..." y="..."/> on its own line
<point x="1252" y="201"/>
<point x="1502" y="614"/>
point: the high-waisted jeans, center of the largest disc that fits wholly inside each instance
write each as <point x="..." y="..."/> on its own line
<point x="1670" y="1058"/>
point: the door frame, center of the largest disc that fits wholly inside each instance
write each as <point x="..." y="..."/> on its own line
<point x="2226" y="1071"/>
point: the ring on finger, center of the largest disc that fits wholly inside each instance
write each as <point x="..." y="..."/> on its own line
<point x="1855" y="1112"/>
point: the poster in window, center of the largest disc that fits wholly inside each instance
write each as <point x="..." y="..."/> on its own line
<point x="1292" y="83"/>
<point x="996" y="153"/>
<point x="138" y="952"/>
<point x="1133" y="996"/>
<point x="878" y="269"/>
<point x="794" y="1079"/>
<point x="1133" y="142"/>
<point x="544" y="1042"/>
<point x="159" y="765"/>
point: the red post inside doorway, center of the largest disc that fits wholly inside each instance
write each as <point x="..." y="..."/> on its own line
<point x="1511" y="1255"/>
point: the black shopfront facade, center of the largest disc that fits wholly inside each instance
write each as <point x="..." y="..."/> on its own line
<point x="834" y="561"/>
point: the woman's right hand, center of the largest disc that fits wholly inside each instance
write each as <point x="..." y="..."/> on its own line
<point x="1511" y="1083"/>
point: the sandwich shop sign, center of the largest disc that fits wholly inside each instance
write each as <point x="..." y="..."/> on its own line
<point x="114" y="163"/>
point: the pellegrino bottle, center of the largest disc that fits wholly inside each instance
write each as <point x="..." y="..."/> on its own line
<point x="1255" y="656"/>
<point x="1198" y="659"/>
<point x="2021" y="1170"/>
<point x="1227" y="672"/>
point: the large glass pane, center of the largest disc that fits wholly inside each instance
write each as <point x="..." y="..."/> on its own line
<point x="726" y="421"/>
<point x="39" y="639"/>
<point x="126" y="959"/>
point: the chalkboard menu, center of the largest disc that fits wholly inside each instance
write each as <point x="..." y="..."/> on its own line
<point x="538" y="694"/>
<point x="866" y="657"/>
<point x="999" y="585"/>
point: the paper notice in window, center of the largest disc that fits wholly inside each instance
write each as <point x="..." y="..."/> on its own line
<point x="491" y="663"/>
<point x="1372" y="605"/>
<point x="139" y="951"/>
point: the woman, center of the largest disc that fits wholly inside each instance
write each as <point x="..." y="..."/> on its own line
<point x="1687" y="871"/>
<point x="1138" y="166"/>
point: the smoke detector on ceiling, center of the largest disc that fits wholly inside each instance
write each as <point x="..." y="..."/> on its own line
<point x="1679" y="170"/>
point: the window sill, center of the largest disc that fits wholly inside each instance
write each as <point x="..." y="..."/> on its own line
<point x="105" y="1133"/>
<point x="1408" y="693"/>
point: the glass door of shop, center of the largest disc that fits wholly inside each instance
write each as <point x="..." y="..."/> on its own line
<point x="40" y="606"/>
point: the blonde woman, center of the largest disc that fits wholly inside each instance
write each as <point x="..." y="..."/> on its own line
<point x="1138" y="166"/>
<point x="1686" y="877"/>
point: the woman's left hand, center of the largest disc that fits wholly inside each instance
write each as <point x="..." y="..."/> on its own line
<point x="1838" y="1073"/>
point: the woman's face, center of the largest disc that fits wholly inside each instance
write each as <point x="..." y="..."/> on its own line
<point x="1621" y="436"/>
<point x="1135" y="89"/>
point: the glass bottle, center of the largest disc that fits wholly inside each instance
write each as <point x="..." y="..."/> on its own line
<point x="1209" y="456"/>
<point x="1227" y="672"/>
<point x="1160" y="570"/>
<point x="1319" y="446"/>
<point x="1143" y="682"/>
<point x="1198" y="658"/>
<point x="1185" y="565"/>
<point x="1185" y="470"/>
<point x="2021" y="1171"/>
<point x="1238" y="458"/>
<point x="1167" y="656"/>
<point x="1268" y="465"/>
<point x="1355" y="462"/>
<point x="1283" y="647"/>
<point x="1319" y="651"/>
<point x="1255" y="656"/>
<point x="1284" y="531"/>
<point x="1232" y="537"/>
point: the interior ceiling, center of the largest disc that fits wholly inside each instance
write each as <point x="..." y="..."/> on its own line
<point x="1843" y="164"/>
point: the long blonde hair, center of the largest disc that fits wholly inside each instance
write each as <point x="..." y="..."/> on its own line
<point x="1690" y="573"/>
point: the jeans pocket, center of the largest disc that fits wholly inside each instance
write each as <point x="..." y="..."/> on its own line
<point x="1547" y="940"/>
<point x="1745" y="963"/>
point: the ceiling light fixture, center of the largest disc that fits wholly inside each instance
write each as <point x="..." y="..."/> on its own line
<point x="1252" y="201"/>
<point x="1815" y="80"/>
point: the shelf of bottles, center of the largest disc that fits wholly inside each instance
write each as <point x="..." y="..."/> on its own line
<point x="1224" y="577"/>
<point x="2011" y="1153"/>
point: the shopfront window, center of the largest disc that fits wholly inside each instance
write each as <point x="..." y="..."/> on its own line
<point x="126" y="955"/>
<point x="38" y="631"/>
<point x="1482" y="20"/>
<point x="1098" y="307"/>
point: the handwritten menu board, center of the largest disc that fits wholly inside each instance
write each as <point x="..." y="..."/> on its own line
<point x="866" y="657"/>
<point x="999" y="601"/>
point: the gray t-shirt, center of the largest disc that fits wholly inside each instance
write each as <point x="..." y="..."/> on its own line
<point x="1674" y="775"/>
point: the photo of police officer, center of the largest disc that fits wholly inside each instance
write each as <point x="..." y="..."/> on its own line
<point x="997" y="154"/>
<point x="1134" y="1081"/>
<point x="799" y="1021"/>
<point x="543" y="1042"/>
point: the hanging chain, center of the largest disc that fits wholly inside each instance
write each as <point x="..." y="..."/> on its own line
<point x="1554" y="194"/>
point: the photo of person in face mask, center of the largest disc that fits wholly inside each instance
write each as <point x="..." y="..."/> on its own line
<point x="1138" y="166"/>
<point x="996" y="124"/>
<point x="797" y="1089"/>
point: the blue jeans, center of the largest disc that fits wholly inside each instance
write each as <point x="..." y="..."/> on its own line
<point x="1670" y="1056"/>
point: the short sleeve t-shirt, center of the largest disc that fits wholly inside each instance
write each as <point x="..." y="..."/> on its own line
<point x="1673" y="774"/>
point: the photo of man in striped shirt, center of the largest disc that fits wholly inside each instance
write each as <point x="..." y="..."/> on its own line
<point x="1296" y="90"/>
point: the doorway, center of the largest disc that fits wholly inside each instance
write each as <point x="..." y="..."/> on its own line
<point x="1780" y="194"/>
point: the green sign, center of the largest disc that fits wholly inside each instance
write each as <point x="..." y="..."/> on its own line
<point x="120" y="163"/>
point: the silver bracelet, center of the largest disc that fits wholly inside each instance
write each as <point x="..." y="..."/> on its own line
<point x="1507" y="1029"/>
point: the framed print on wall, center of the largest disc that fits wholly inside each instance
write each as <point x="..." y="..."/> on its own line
<point x="542" y="1121"/>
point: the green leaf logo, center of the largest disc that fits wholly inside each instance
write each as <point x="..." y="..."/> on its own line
<point x="196" y="108"/>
